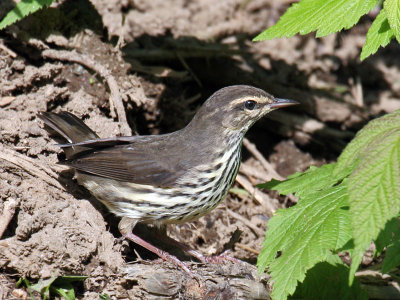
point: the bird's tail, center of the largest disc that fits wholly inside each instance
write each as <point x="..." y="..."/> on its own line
<point x="70" y="129"/>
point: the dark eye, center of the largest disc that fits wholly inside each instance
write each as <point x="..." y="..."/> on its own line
<point x="250" y="104"/>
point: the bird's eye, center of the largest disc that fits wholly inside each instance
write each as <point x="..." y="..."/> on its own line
<point x="250" y="104"/>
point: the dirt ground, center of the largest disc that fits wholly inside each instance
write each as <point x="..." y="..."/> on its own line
<point x="144" y="67"/>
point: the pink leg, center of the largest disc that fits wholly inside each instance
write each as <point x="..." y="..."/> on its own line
<point x="162" y="254"/>
<point x="126" y="225"/>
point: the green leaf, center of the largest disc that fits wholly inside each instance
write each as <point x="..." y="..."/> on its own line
<point x="360" y="144"/>
<point x="23" y="9"/>
<point x="388" y="235"/>
<point x="364" y="185"/>
<point x="64" y="289"/>
<point x="379" y="35"/>
<point x="104" y="296"/>
<point x="21" y="281"/>
<point x="24" y="281"/>
<point x="392" y="10"/>
<point x="323" y="16"/>
<point x="314" y="179"/>
<point x="374" y="185"/>
<point x="43" y="287"/>
<point x="304" y="234"/>
<point x="392" y="258"/>
<point x="57" y="285"/>
<point x="329" y="280"/>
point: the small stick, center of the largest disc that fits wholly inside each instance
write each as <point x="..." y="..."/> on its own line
<point x="267" y="166"/>
<point x="356" y="91"/>
<point x="247" y="248"/>
<point x="259" y="232"/>
<point x="186" y="66"/>
<point x="250" y="171"/>
<point x="8" y="213"/>
<point x="8" y="50"/>
<point x="32" y="168"/>
<point x="50" y="170"/>
<point x="359" y="92"/>
<point x="259" y="196"/>
<point x="115" y="96"/>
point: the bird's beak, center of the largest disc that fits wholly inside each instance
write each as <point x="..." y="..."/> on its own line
<point x="282" y="103"/>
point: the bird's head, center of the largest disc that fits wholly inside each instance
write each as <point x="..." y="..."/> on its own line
<point x="237" y="108"/>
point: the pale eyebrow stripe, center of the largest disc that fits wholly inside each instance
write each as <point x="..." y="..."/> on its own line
<point x="258" y="99"/>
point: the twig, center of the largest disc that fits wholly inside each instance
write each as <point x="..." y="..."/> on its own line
<point x="250" y="171"/>
<point x="259" y="196"/>
<point x="139" y="258"/>
<point x="158" y="71"/>
<point x="36" y="43"/>
<point x="115" y="96"/>
<point x="8" y="50"/>
<point x="356" y="91"/>
<point x="247" y="248"/>
<point x="50" y="170"/>
<point x="257" y="231"/>
<point x="267" y="166"/>
<point x="8" y="212"/>
<point x="359" y="92"/>
<point x="186" y="66"/>
<point x="31" y="166"/>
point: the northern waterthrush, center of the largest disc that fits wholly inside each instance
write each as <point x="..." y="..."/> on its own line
<point x="169" y="178"/>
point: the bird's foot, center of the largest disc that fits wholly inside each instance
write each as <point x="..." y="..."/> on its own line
<point x="218" y="259"/>
<point x="176" y="261"/>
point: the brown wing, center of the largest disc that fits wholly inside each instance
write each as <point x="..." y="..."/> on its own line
<point x="141" y="162"/>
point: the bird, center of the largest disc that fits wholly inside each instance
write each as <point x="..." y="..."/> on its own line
<point x="168" y="178"/>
